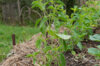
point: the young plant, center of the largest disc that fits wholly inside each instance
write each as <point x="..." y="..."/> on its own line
<point x="75" y="29"/>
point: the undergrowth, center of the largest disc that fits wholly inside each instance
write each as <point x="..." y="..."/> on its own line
<point x="80" y="24"/>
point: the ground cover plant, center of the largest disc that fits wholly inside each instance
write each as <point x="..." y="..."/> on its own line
<point x="22" y="34"/>
<point x="95" y="51"/>
<point x="79" y="25"/>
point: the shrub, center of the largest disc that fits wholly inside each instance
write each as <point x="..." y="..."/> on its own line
<point x="77" y="27"/>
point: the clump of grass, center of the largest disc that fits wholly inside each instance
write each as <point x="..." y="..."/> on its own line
<point x="22" y="34"/>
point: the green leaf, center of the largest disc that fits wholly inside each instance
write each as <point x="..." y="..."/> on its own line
<point x="37" y="22"/>
<point x="38" y="43"/>
<point x="73" y="52"/>
<point x="33" y="55"/>
<point x="95" y="37"/>
<point x="46" y="49"/>
<point x="62" y="60"/>
<point x="43" y="21"/>
<point x="63" y="36"/>
<point x="38" y="4"/>
<point x="94" y="51"/>
<point x="2" y="45"/>
<point x="51" y="32"/>
<point x="79" y="45"/>
<point x="34" y="60"/>
<point x="60" y="2"/>
<point x="64" y="45"/>
<point x="49" y="57"/>
<point x="36" y="53"/>
<point x="29" y="55"/>
<point x="51" y="7"/>
<point x="57" y="23"/>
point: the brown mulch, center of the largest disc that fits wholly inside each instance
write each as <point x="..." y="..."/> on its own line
<point x="18" y="53"/>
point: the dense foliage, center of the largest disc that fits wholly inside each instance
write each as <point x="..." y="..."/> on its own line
<point x="77" y="27"/>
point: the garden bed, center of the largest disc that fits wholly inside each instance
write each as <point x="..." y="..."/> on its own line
<point x="82" y="58"/>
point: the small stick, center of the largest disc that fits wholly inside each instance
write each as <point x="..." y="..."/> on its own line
<point x="13" y="40"/>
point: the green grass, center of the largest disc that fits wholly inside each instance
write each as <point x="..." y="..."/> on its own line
<point x="22" y="34"/>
